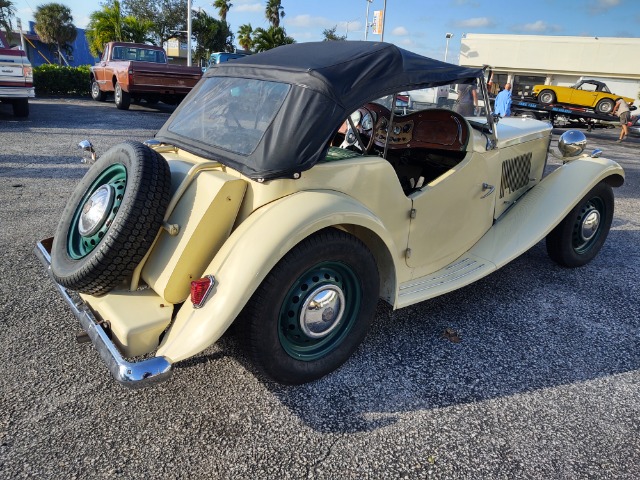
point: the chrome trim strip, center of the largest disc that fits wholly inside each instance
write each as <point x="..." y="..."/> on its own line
<point x="453" y="269"/>
<point x="130" y="374"/>
<point x="443" y="282"/>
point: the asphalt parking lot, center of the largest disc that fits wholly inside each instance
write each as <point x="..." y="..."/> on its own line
<point x="545" y="382"/>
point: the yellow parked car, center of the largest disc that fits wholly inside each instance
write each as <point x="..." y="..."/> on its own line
<point x="585" y="93"/>
<point x="290" y="192"/>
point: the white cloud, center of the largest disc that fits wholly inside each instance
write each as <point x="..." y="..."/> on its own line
<point x="407" y="42"/>
<point x="478" y="22"/>
<point x="400" y="31"/>
<point x="537" y="27"/>
<point x="307" y="21"/>
<point x="248" y="6"/>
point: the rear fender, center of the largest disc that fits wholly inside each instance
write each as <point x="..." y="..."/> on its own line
<point x="251" y="252"/>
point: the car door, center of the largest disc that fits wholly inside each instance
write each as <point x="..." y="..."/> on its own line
<point x="585" y="95"/>
<point x="451" y="213"/>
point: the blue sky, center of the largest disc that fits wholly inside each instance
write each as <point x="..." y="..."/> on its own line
<point x="417" y="25"/>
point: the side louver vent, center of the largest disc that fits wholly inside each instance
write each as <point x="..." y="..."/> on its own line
<point x="515" y="174"/>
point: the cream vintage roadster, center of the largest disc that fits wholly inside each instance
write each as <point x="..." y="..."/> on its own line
<point x="289" y="192"/>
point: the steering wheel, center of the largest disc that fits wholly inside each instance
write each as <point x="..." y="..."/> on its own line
<point x="363" y="120"/>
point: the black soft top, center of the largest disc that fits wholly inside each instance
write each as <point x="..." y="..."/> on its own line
<point x="329" y="80"/>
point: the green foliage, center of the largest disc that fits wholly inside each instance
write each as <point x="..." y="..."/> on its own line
<point x="211" y="34"/>
<point x="167" y="16"/>
<point x="273" y="12"/>
<point x="54" y="25"/>
<point x="7" y="12"/>
<point x="60" y="80"/>
<point x="330" y="35"/>
<point x="245" y="36"/>
<point x="109" y="25"/>
<point x="223" y="7"/>
<point x="264" y="40"/>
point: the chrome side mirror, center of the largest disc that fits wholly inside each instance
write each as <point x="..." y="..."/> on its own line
<point x="86" y="146"/>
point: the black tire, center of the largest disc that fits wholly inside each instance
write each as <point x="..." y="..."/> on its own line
<point x="95" y="262"/>
<point x="576" y="240"/>
<point x="546" y="97"/>
<point x="97" y="94"/>
<point x="21" y="107"/>
<point x="122" y="98"/>
<point x="605" y="106"/>
<point x="283" y="346"/>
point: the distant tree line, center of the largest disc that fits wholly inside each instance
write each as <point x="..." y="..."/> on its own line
<point x="156" y="21"/>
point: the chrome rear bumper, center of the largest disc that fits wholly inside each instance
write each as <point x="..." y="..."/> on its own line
<point x="130" y="374"/>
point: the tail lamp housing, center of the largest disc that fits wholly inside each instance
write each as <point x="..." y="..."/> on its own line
<point x="201" y="289"/>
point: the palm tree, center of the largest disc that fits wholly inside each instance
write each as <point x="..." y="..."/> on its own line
<point x="108" y="25"/>
<point x="274" y="12"/>
<point x="54" y="25"/>
<point x="245" y="39"/>
<point x="267" y="39"/>
<point x="211" y="34"/>
<point x="223" y="7"/>
<point x="7" y="12"/>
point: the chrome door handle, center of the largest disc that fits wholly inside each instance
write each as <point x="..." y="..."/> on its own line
<point x="486" y="186"/>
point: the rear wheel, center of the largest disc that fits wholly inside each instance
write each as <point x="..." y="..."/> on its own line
<point x="21" y="107"/>
<point x="547" y="97"/>
<point x="123" y="99"/>
<point x="605" y="106"/>
<point x="580" y="236"/>
<point x="313" y="309"/>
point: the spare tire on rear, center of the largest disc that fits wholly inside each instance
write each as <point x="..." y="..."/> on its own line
<point x="111" y="219"/>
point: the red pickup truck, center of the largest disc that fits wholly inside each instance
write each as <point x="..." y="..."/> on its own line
<point x="16" y="78"/>
<point x="136" y="71"/>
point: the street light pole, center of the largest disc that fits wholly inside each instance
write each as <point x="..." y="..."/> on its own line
<point x="189" y="33"/>
<point x="448" y="36"/>
<point x="384" y="19"/>
<point x="366" y="22"/>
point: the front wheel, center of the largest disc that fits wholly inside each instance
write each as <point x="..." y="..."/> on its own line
<point x="313" y="309"/>
<point x="580" y="236"/>
<point x="547" y="97"/>
<point x="122" y="98"/>
<point x="605" y="106"/>
<point x="97" y="94"/>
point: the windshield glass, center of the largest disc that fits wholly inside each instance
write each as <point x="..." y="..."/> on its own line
<point x="230" y="113"/>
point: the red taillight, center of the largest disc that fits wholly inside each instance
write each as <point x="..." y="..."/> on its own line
<point x="200" y="290"/>
<point x="130" y="72"/>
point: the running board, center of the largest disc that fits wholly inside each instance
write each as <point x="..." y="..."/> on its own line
<point x="461" y="272"/>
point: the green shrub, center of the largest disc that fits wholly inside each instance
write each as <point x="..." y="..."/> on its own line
<point x="57" y="80"/>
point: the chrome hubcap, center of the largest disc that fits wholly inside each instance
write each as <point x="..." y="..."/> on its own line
<point x="96" y="210"/>
<point x="322" y="311"/>
<point x="590" y="224"/>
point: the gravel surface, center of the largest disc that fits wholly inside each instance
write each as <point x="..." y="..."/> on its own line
<point x="545" y="382"/>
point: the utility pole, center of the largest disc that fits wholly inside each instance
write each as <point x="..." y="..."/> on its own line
<point x="384" y="19"/>
<point x="188" y="33"/>
<point x="366" y="21"/>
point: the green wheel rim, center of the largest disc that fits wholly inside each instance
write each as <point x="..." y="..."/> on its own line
<point x="332" y="275"/>
<point x="79" y="246"/>
<point x="580" y="244"/>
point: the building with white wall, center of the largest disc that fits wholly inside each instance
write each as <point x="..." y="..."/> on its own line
<point x="527" y="60"/>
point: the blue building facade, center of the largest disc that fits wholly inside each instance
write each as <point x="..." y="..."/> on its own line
<point x="40" y="54"/>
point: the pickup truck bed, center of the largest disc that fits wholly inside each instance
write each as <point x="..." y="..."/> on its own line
<point x="140" y="72"/>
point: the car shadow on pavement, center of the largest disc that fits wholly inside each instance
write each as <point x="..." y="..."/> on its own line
<point x="560" y="329"/>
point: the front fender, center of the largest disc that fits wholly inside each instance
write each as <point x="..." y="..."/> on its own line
<point x="543" y="207"/>
<point x="251" y="252"/>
